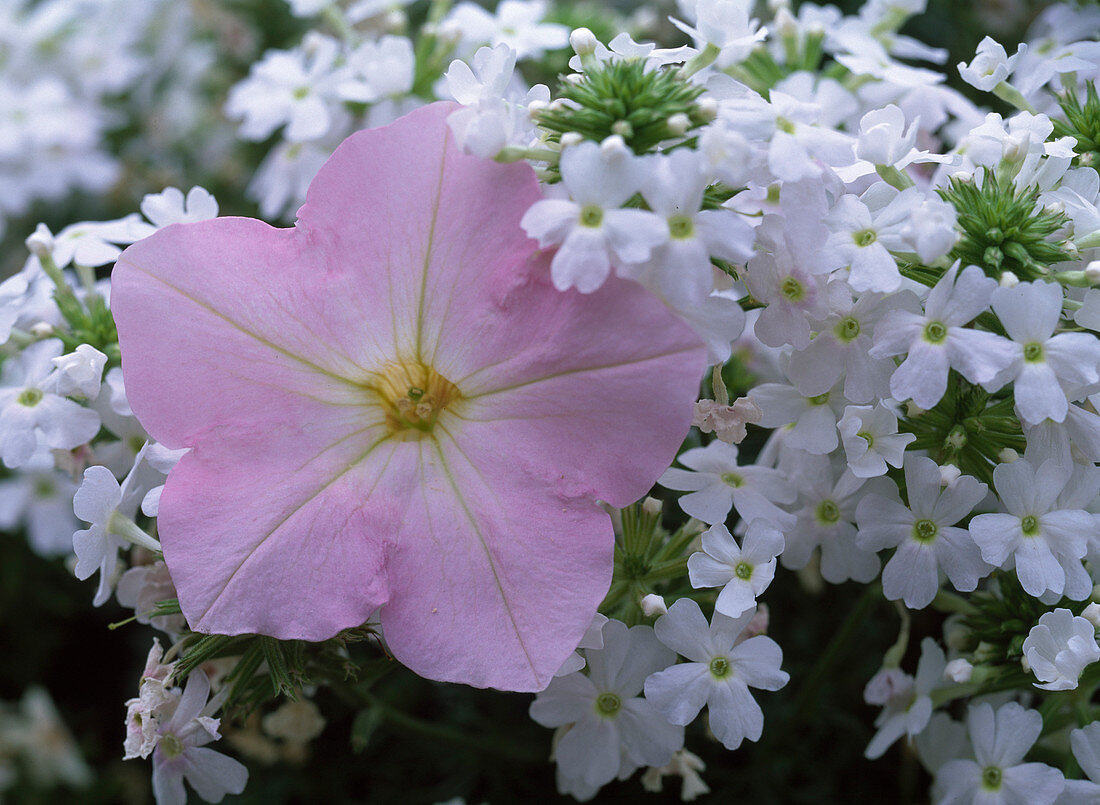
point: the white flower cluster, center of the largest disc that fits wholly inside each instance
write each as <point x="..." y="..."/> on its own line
<point x="927" y="367"/>
<point x="317" y="93"/>
<point x="71" y="71"/>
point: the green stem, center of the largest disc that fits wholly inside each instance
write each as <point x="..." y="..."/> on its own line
<point x="893" y="177"/>
<point x="1010" y="95"/>
<point x="122" y="526"/>
<point x="703" y="59"/>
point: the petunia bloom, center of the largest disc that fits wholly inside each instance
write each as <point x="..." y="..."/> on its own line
<point x="390" y="406"/>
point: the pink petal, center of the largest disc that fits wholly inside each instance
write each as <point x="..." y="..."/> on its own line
<point x="298" y="512"/>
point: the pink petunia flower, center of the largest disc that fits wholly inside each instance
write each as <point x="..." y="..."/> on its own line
<point x="389" y="405"/>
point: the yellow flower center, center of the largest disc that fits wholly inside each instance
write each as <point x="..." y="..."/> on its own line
<point x="413" y="395"/>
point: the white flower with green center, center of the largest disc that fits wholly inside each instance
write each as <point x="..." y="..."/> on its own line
<point x="998" y="775"/>
<point x="716" y="483"/>
<point x="827" y="521"/>
<point x="720" y="670"/>
<point x="840" y="347"/>
<point x="742" y="572"/>
<point x="939" y="340"/>
<point x="32" y="415"/>
<point x="924" y="534"/>
<point x="612" y="726"/>
<point x="1045" y="363"/>
<point x="810" y="421"/>
<point x="589" y="228"/>
<point x="680" y="270"/>
<point x="871" y="439"/>
<point x="1045" y="541"/>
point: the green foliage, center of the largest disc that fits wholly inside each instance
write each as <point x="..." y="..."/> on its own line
<point x="1082" y="122"/>
<point x="1004" y="228"/>
<point x="622" y="97"/>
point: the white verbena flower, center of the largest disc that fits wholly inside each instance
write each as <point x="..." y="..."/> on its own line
<point x="720" y="670"/>
<point x="997" y="775"/>
<point x="742" y="572"/>
<point x="1059" y="647"/>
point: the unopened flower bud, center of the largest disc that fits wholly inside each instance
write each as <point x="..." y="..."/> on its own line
<point x="573" y="78"/>
<point x="912" y="409"/>
<point x="958" y="670"/>
<point x="679" y="123"/>
<point x="537" y="107"/>
<point x="623" y="128"/>
<point x="395" y="20"/>
<point x="707" y="108"/>
<point x="651" y="506"/>
<point x="1007" y="455"/>
<point x="571" y="138"/>
<point x="1092" y="272"/>
<point x="614" y="147"/>
<point x="1091" y="613"/>
<point x="40" y="243"/>
<point x="583" y="41"/>
<point x="1025" y="664"/>
<point x="786" y="24"/>
<point x="949" y="473"/>
<point x="42" y="329"/>
<point x="653" y="605"/>
<point x="1009" y="280"/>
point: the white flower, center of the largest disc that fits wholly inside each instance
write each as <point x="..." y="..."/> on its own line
<point x="1045" y="541"/>
<point x="871" y="439"/>
<point x="680" y="270"/>
<point x="938" y="340"/>
<point x="719" y="672"/>
<point x="997" y="776"/>
<point x="41" y="498"/>
<point x="827" y="521"/>
<point x="31" y="414"/>
<point x="990" y="66"/>
<point x="840" y="347"/>
<point x="924" y="534"/>
<point x="906" y="703"/>
<point x="1059" y="647"/>
<point x="110" y="508"/>
<point x="883" y="138"/>
<point x="1030" y="313"/>
<point x="1085" y="743"/>
<point x="171" y="207"/>
<point x="611" y="725"/>
<point x="517" y="24"/>
<point x="743" y="572"/>
<point x="296" y="88"/>
<point x="181" y="754"/>
<point x="379" y="69"/>
<point x="724" y="25"/>
<point x="716" y="484"/>
<point x="591" y="227"/>
<point x="80" y="372"/>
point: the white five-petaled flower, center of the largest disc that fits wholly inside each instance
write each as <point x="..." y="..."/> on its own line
<point x="938" y="340"/>
<point x="1046" y="542"/>
<point x="871" y="439"/>
<point x="997" y="775"/>
<point x="721" y="668"/>
<point x="742" y="572"/>
<point x="590" y="226"/>
<point x="611" y="725"/>
<point x="32" y="414"/>
<point x="991" y="65"/>
<point x="924" y="534"/>
<point x="1059" y="647"/>
<point x="716" y="483"/>
<point x="1044" y="362"/>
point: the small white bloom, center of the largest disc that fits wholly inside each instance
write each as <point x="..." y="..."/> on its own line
<point x="719" y="672"/>
<point x="958" y="670"/>
<point x="742" y="572"/>
<point x="1059" y="647"/>
<point x="990" y="66"/>
<point x="871" y="439"/>
<point x="906" y="701"/>
<point x="171" y="207"/>
<point x="997" y="775"/>
<point x="80" y="372"/>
